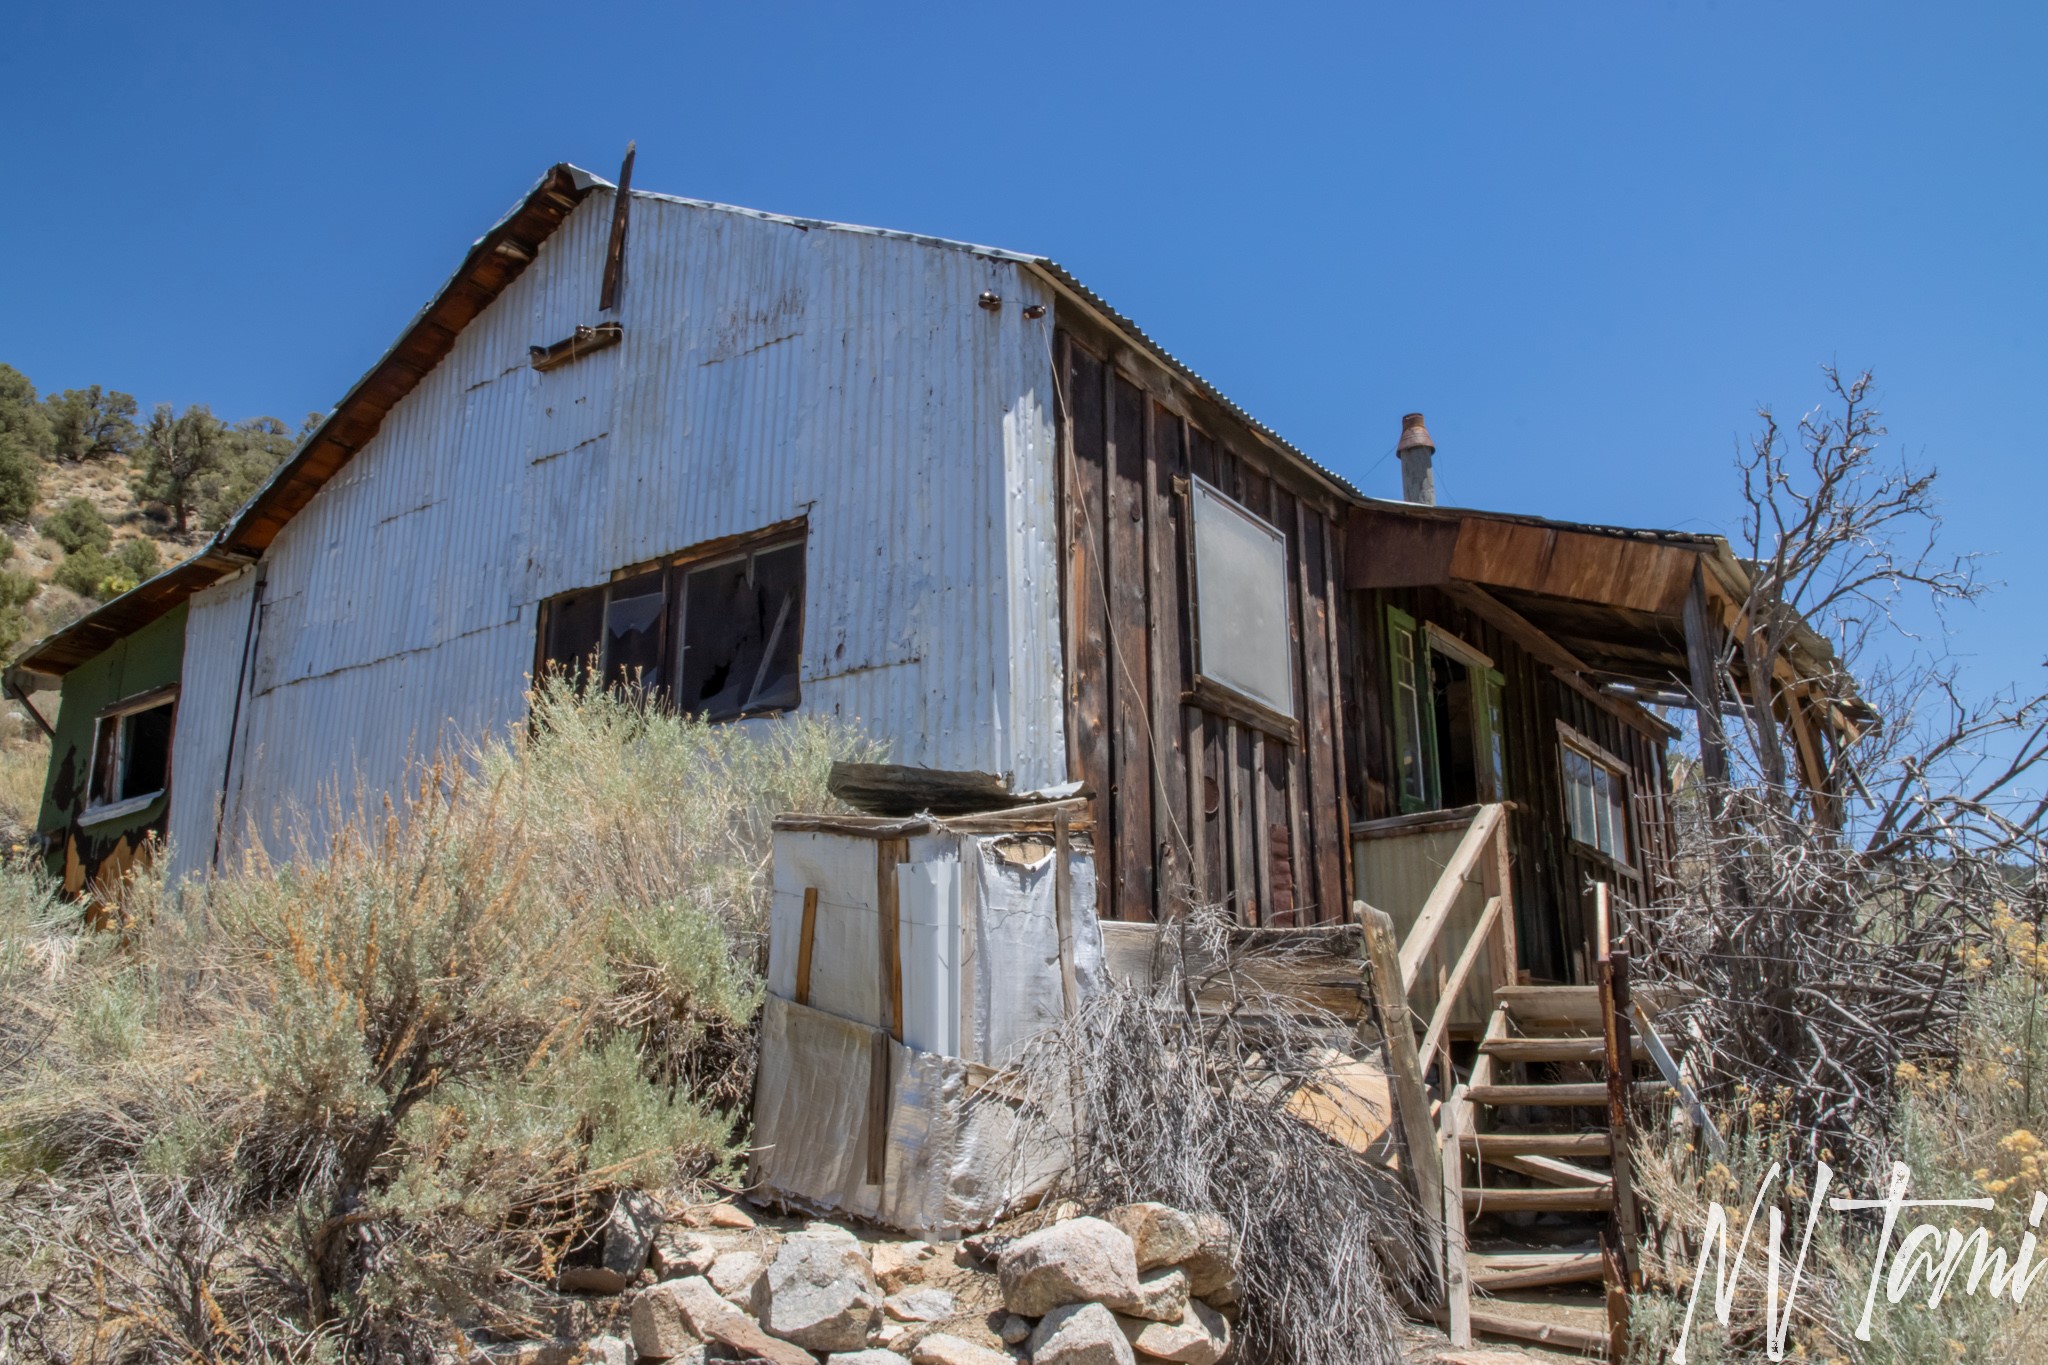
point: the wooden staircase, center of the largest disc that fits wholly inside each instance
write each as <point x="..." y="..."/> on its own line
<point x="1522" y="1149"/>
<point x="1538" y="1126"/>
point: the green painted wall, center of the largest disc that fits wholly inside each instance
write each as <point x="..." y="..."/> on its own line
<point x="150" y="658"/>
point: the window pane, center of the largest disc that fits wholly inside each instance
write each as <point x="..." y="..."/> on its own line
<point x="1409" y="705"/>
<point x="1241" y="602"/>
<point x="742" y="634"/>
<point x="146" y="741"/>
<point x="632" y="631"/>
<point x="572" y="626"/>
<point x="1603" y="811"/>
<point x="105" y="755"/>
<point x="1617" y="797"/>
<point x="1578" y="780"/>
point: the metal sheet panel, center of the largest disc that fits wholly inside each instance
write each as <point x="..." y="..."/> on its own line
<point x="215" y="628"/>
<point x="769" y="370"/>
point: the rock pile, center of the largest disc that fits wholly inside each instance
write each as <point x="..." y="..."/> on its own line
<point x="1142" y="1283"/>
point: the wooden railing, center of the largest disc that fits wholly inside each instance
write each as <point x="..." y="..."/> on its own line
<point x="1395" y="971"/>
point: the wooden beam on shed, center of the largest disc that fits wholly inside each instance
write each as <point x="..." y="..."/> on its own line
<point x="615" y="249"/>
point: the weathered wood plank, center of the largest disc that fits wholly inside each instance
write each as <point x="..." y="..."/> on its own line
<point x="1088" y="681"/>
<point x="1132" y="846"/>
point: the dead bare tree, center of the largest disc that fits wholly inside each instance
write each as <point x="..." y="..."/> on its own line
<point x="1864" y="832"/>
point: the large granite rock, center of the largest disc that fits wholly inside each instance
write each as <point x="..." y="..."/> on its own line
<point x="1160" y="1234"/>
<point x="1200" y="1337"/>
<point x="819" y="1293"/>
<point x="1082" y="1261"/>
<point x="1080" y="1334"/>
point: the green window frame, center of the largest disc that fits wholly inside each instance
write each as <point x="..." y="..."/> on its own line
<point x="1419" y="779"/>
<point x="1414" y="720"/>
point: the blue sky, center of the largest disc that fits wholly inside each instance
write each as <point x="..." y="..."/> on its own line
<point x="1586" y="239"/>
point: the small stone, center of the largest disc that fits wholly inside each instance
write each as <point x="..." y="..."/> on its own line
<point x="923" y="1305"/>
<point x="607" y="1350"/>
<point x="893" y="1336"/>
<point x="817" y="1228"/>
<point x="733" y="1273"/>
<point x="1200" y="1337"/>
<point x="1080" y="1334"/>
<point x="661" y="1320"/>
<point x="673" y="1312"/>
<point x="629" y="1234"/>
<point x="820" y="1293"/>
<point x="1160" y="1234"/>
<point x="943" y="1349"/>
<point x="986" y="1246"/>
<point x="1212" y="1269"/>
<point x="590" y="1279"/>
<point x="1162" y="1296"/>
<point x="898" y="1264"/>
<point x="1082" y="1261"/>
<point x="1015" y="1331"/>
<point x="867" y="1357"/>
<point x="525" y="1353"/>
<point x="727" y="1214"/>
<point x="691" y="1254"/>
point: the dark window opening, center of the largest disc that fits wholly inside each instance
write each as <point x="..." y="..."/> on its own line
<point x="1450" y="736"/>
<point x="132" y="754"/>
<point x="721" y="637"/>
<point x="1450" y="686"/>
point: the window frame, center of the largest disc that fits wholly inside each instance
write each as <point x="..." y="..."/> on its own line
<point x="1489" y="713"/>
<point x="675" y="570"/>
<point x="117" y="714"/>
<point x="1614" y="808"/>
<point x="1206" y="689"/>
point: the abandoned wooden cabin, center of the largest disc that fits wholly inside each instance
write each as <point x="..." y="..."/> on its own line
<point x="771" y="465"/>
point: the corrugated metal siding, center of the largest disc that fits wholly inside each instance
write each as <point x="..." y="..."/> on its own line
<point x="769" y="370"/>
<point x="215" y="627"/>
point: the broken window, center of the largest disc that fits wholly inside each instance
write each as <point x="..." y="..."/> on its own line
<point x="131" y="753"/>
<point x="720" y="635"/>
<point x="1242" y="639"/>
<point x="741" y="623"/>
<point x="1596" y="799"/>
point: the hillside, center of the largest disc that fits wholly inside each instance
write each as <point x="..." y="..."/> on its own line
<point x="94" y="498"/>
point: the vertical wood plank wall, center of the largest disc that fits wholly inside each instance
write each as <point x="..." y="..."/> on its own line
<point x="1191" y="804"/>
<point x="1552" y="873"/>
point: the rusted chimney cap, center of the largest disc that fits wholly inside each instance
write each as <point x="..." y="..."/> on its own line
<point x="1414" y="435"/>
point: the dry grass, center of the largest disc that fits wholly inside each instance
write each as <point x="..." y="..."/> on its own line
<point x="362" y="1102"/>
<point x="1155" y="1101"/>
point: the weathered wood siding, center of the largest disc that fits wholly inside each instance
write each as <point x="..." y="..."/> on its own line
<point x="1191" y="803"/>
<point x="1552" y="873"/>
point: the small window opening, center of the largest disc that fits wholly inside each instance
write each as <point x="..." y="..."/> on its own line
<point x="719" y="636"/>
<point x="131" y="762"/>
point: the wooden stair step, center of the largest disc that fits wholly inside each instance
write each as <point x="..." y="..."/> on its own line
<point x="1548" y="1199"/>
<point x="1574" y="1005"/>
<point x="1539" y="1144"/>
<point x="1494" y="1322"/>
<point x="1572" y="1049"/>
<point x="1557" y="1095"/>
<point x="1550" y="1170"/>
<point x="1500" y="1274"/>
